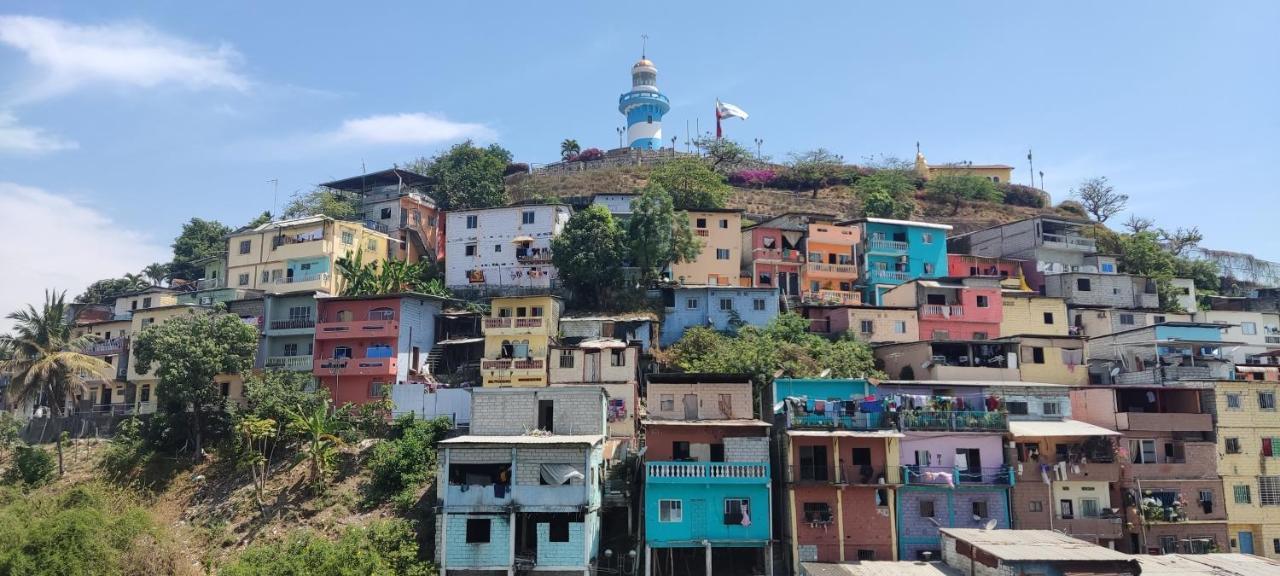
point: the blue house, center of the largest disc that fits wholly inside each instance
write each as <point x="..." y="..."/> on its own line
<point x="895" y="251"/>
<point x="511" y="501"/>
<point x="707" y="488"/>
<point x="718" y="307"/>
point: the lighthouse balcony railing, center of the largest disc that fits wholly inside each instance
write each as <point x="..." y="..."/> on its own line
<point x="634" y="96"/>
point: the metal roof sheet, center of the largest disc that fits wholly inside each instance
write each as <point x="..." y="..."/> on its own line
<point x="1068" y="427"/>
<point x="1207" y="565"/>
<point x="1034" y="545"/>
<point x="881" y="568"/>
<point x="550" y="439"/>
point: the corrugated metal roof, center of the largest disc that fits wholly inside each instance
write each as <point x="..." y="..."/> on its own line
<point x="552" y="439"/>
<point x="1034" y="545"/>
<point x="1068" y="427"/>
<point x="1208" y="565"/>
<point x="878" y="569"/>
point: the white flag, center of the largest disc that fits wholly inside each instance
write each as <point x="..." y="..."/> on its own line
<point x="724" y="110"/>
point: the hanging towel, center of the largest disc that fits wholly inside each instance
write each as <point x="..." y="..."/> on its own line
<point x="559" y="474"/>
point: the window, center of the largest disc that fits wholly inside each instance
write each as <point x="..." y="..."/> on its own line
<point x="246" y="246"/>
<point x="1051" y="409"/>
<point x="722" y="253"/>
<point x="1275" y="545"/>
<point x="477" y="531"/>
<point x="1048" y="317"/>
<point x="765" y="279"/>
<point x="757" y="304"/>
<point x="1016" y="408"/>
<point x="1267" y="400"/>
<point x="566" y="358"/>
<point x="1126" y="319"/>
<point x="145" y="395"/>
<point x="1089" y="507"/>
<point x="813" y="463"/>
<point x="735" y="509"/>
<point x="146" y="302"/>
<point x="528" y="217"/>
<point x="1157" y="319"/>
<point x="558" y="531"/>
<point x="926" y="237"/>
<point x="243" y="280"/>
<point x="1036" y="506"/>
<point x="726" y="304"/>
<point x="817" y="512"/>
<point x="979" y="335"/>
<point x="980" y="508"/>
<point x="866" y="326"/>
<point x="1243" y="494"/>
<point x="1082" y="285"/>
<point x="941" y="334"/>
<point x="386" y="214"/>
<point x="691" y="304"/>
<point x="1233" y="401"/>
<point x="724" y="223"/>
<point x="1233" y="445"/>
<point x="290" y="349"/>
<point x="342" y="352"/>
<point x="469" y="250"/>
<point x="1037" y="355"/>
<point x="982" y="302"/>
<point x="472" y="222"/>
<point x="926" y="509"/>
<point x="348" y="237"/>
<point x="1248" y="328"/>
<point x="928" y="268"/>
<point x="535" y="311"/>
<point x="266" y="276"/>
<point x="700" y="223"/>
<point x="618" y="358"/>
<point x="1142" y="451"/>
<point x="900" y="327"/>
<point x="1269" y="446"/>
<point x="1269" y="490"/>
<point x="667" y="403"/>
<point x="377" y="389"/>
<point x="226" y="389"/>
<point x="670" y="511"/>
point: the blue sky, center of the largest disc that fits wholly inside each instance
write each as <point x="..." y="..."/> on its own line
<point x="118" y="123"/>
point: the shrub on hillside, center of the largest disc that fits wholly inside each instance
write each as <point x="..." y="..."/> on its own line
<point x="385" y="548"/>
<point x="1074" y="208"/>
<point x="32" y="466"/>
<point x="403" y="463"/>
<point x="1019" y="195"/>
<point x="752" y="178"/>
<point x="590" y="154"/>
<point x="516" y="168"/>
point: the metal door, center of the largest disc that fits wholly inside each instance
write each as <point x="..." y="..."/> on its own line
<point x="697" y="519"/>
<point x="593" y="366"/>
<point x="690" y="406"/>
<point x="1246" y="542"/>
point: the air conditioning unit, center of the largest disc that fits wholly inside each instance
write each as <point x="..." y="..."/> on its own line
<point x="206" y="300"/>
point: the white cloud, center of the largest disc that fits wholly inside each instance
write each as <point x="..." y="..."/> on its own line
<point x="131" y="55"/>
<point x="14" y="137"/>
<point x="415" y="128"/>
<point x="58" y="242"/>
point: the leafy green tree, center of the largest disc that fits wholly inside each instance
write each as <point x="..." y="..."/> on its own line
<point x="956" y="189"/>
<point x="46" y="364"/>
<point x="261" y="219"/>
<point x="383" y="548"/>
<point x="1100" y="198"/>
<point x="691" y="183"/>
<point x="318" y="429"/>
<point x="199" y="239"/>
<point x="188" y="351"/>
<point x="106" y="291"/>
<point x="814" y="169"/>
<point x="468" y="176"/>
<point x="722" y="151"/>
<point x="321" y="201"/>
<point x="569" y="148"/>
<point x="405" y="462"/>
<point x="657" y="235"/>
<point x="887" y="194"/>
<point x="588" y="255"/>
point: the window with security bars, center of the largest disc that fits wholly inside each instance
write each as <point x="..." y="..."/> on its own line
<point x="1269" y="490"/>
<point x="1242" y="494"/>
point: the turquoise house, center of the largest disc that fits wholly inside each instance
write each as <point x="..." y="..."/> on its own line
<point x="896" y="251"/>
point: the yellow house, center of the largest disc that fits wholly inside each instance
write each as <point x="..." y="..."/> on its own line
<point x="1031" y="313"/>
<point x="106" y="394"/>
<point x="719" y="262"/>
<point x="997" y="173"/>
<point x="1052" y="359"/>
<point x="153" y="297"/>
<point x="1248" y="431"/>
<point x="299" y="255"/>
<point x="144" y="384"/>
<point x="518" y="334"/>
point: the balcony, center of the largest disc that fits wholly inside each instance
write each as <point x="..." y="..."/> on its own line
<point x="1162" y="374"/>
<point x="357" y="329"/>
<point x="210" y="283"/>
<point x="833" y="297"/>
<point x="1068" y="242"/>
<point x="829" y="422"/>
<point x="822" y="269"/>
<point x="850" y="475"/>
<point x="519" y="325"/>
<point x="941" y="311"/>
<point x="528" y="322"/>
<point x="301" y="282"/>
<point x="954" y="421"/>
<point x="1099" y="528"/>
<point x="292" y="324"/>
<point x="706" y="472"/>
<point x="105" y="348"/>
<point x="1194" y="460"/>
<point x="1092" y="471"/>
<point x="890" y="276"/>
<point x="767" y="255"/>
<point x="293" y="363"/>
<point x="501" y="322"/>
<point x="354" y="367"/>
<point x="887" y="247"/>
<point x="702" y="232"/>
<point x="533" y="255"/>
<point x="1164" y="422"/>
<point x="513" y="364"/>
<point x="952" y="476"/>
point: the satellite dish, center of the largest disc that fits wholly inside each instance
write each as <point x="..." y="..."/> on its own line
<point x="990" y="524"/>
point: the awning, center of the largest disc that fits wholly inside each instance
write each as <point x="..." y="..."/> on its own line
<point x="519" y="239"/>
<point x="1256" y="369"/>
<point x="1025" y="429"/>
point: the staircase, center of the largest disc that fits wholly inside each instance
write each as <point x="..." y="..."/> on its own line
<point x="434" y="357"/>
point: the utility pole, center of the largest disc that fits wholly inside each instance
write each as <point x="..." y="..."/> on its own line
<point x="275" y="189"/>
<point x="1042" y="179"/>
<point x="620" y="142"/>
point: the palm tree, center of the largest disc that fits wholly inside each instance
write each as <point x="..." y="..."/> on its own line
<point x="46" y="363"/>
<point x="156" y="273"/>
<point x="318" y="430"/>
<point x="137" y="282"/>
<point x="569" y="148"/>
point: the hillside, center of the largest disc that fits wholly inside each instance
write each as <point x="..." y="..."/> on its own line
<point x="839" y="200"/>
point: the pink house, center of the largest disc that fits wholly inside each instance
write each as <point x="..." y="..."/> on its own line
<point x="773" y="252"/>
<point x="953" y="308"/>
<point x="968" y="266"/>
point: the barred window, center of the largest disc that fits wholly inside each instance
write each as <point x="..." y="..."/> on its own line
<point x="1269" y="490"/>
<point x="1242" y="493"/>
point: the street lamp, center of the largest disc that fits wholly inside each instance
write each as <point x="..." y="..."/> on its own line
<point x="621" y="130"/>
<point x="759" y="141"/>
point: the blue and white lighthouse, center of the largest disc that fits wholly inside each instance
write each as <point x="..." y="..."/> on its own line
<point x="644" y="107"/>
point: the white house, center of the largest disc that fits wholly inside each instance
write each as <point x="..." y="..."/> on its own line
<point x="493" y="249"/>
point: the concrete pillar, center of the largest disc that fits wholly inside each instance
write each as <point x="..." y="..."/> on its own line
<point x="707" y="545"/>
<point x="648" y="560"/>
<point x="840" y="520"/>
<point x="511" y="540"/>
<point x="768" y="559"/>
<point x="444" y="537"/>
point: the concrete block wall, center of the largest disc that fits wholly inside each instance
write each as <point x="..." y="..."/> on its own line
<point x="459" y="455"/>
<point x="529" y="462"/>
<point x="495" y="552"/>
<point x="561" y="553"/>
<point x="746" y="449"/>
<point x="708" y="400"/>
<point x="507" y="413"/>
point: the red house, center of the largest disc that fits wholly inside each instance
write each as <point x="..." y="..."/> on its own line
<point x="366" y="344"/>
<point x="968" y="266"/>
<point x="953" y="308"/>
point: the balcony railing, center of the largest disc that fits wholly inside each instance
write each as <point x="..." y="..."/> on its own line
<point x="528" y="322"/>
<point x="1160" y="374"/>
<point x="865" y="421"/>
<point x="293" y="323"/>
<point x="640" y="97"/>
<point x="954" y="421"/>
<point x="211" y="283"/>
<point x="942" y="311"/>
<point x="850" y="474"/>
<point x="780" y="255"/>
<point x="357" y="329"/>
<point x="321" y="277"/>
<point x="890" y="275"/>
<point x="112" y="346"/>
<point x="702" y="232"/>
<point x="888" y="246"/>
<point x="1100" y="527"/>
<point x="533" y="255"/>
<point x="295" y="363"/>
<point x="1075" y="242"/>
<point x="513" y="364"/>
<point x="822" y="268"/>
<point x="354" y="366"/>
<point x="953" y="476"/>
<point x="708" y="472"/>
<point x="501" y="322"/>
<point x="1164" y="421"/>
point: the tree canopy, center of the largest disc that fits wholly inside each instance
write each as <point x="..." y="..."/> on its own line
<point x="955" y="189"/>
<point x="588" y="255"/>
<point x="106" y="291"/>
<point x="467" y="176"/>
<point x="691" y="184"/>
<point x="1100" y="198"/>
<point x="887" y="194"/>
<point x="199" y="239"/>
<point x="814" y="169"/>
<point x="321" y="201"/>
<point x="722" y="151"/>
<point x="658" y="235"/>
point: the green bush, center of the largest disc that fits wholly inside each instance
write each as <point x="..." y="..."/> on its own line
<point x="404" y="462"/>
<point x="32" y="466"/>
<point x="1019" y="195"/>
<point x="383" y="548"/>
